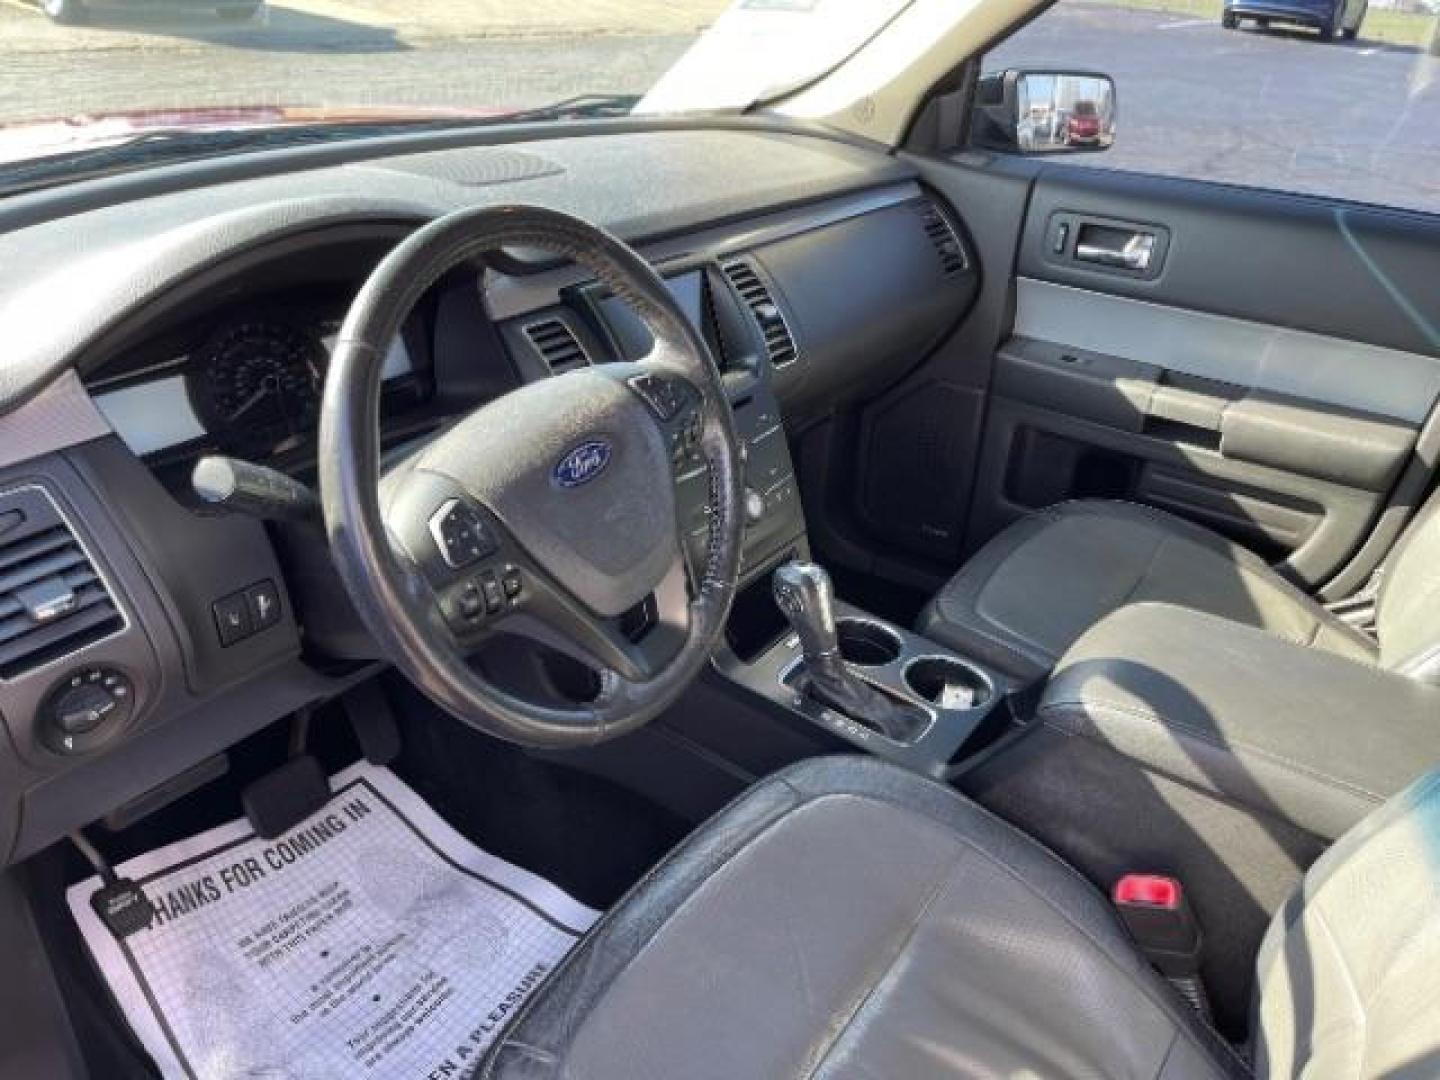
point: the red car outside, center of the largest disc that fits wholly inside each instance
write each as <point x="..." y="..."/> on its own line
<point x="1083" y="127"/>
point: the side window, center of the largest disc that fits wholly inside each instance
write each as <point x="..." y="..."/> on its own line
<point x="1328" y="97"/>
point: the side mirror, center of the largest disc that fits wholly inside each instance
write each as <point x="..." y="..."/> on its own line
<point x="1039" y="112"/>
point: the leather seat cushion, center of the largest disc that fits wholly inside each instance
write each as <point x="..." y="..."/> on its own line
<point x="1034" y="589"/>
<point x="846" y="917"/>
<point x="1244" y="715"/>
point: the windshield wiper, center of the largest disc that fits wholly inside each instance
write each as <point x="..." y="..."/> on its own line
<point x="183" y="144"/>
<point x="580" y="107"/>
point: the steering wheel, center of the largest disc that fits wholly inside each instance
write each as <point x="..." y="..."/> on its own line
<point x="549" y="512"/>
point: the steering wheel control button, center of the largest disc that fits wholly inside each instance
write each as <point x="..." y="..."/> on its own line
<point x="461" y="534"/>
<point x="262" y="600"/>
<point x="471" y="604"/>
<point x="665" y="397"/>
<point x="83" y="709"/>
<point x="510" y="582"/>
<point x="232" y="619"/>
<point x="494" y="597"/>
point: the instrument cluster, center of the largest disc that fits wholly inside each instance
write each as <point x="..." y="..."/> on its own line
<point x="244" y="380"/>
<point x="256" y="385"/>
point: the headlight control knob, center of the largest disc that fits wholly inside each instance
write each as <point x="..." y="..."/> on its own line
<point x="85" y="708"/>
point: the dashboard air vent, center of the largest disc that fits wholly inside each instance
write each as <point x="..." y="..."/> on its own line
<point x="557" y="345"/>
<point x="52" y="600"/>
<point x="943" y="238"/>
<point x="779" y="342"/>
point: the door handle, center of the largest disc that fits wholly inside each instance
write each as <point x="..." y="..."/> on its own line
<point x="1134" y="254"/>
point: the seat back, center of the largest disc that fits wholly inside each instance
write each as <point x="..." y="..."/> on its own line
<point x="1407" y="613"/>
<point x="1349" y="972"/>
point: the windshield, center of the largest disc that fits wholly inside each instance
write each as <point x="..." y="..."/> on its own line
<point x="77" y="73"/>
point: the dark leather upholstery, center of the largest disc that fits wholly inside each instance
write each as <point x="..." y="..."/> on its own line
<point x="847" y="918"/>
<point x="1033" y="590"/>
<point x="1254" y="720"/>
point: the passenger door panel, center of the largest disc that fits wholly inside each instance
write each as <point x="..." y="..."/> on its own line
<point x="1265" y="374"/>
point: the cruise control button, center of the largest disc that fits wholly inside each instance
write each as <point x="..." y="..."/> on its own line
<point x="494" y="598"/>
<point x="511" y="583"/>
<point x="471" y="605"/>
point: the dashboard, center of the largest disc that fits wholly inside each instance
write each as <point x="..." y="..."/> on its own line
<point x="198" y="319"/>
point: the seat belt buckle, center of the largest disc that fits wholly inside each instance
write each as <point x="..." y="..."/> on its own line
<point x="1154" y="909"/>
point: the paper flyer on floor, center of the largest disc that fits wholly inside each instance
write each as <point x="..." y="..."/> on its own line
<point x="371" y="940"/>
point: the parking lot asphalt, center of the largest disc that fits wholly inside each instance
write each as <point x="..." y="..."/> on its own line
<point x="1275" y="108"/>
<point x="471" y="53"/>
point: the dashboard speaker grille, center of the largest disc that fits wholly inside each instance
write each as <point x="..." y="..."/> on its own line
<point x="52" y="599"/>
<point x="943" y="238"/>
<point x="557" y="345"/>
<point x="779" y="342"/>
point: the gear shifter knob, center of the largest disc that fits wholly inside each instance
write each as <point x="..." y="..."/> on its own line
<point x="804" y="593"/>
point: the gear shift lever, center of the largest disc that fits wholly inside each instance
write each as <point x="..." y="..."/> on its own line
<point x="804" y="594"/>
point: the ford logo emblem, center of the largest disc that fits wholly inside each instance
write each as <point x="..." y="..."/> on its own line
<point x="582" y="464"/>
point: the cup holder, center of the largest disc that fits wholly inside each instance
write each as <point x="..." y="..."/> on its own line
<point x="948" y="683"/>
<point x="867" y="643"/>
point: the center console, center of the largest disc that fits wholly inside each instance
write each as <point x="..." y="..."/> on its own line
<point x="774" y="522"/>
<point x="846" y="677"/>
<point x="733" y="307"/>
<point x="961" y="704"/>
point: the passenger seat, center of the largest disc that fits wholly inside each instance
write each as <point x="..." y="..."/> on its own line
<point x="1035" y="588"/>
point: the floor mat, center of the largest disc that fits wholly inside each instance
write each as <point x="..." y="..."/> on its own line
<point x="370" y="940"/>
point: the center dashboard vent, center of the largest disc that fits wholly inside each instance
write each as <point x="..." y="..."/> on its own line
<point x="779" y="342"/>
<point x="52" y="599"/>
<point x="942" y="237"/>
<point x="557" y="345"/>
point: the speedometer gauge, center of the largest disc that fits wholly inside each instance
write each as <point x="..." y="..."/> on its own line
<point x="257" y="386"/>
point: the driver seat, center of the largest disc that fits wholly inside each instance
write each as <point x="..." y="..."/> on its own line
<point x="849" y="918"/>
